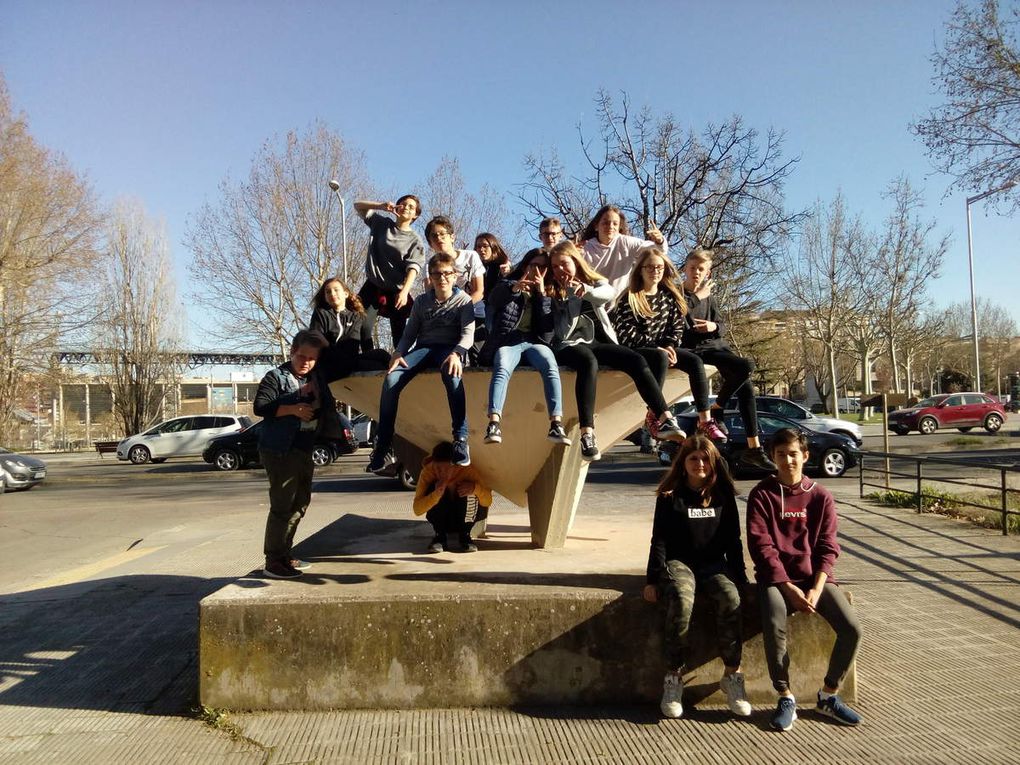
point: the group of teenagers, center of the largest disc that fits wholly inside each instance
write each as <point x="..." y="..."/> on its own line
<point x="607" y="300"/>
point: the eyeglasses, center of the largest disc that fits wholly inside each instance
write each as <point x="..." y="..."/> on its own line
<point x="442" y="274"/>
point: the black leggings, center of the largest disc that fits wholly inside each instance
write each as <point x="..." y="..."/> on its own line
<point x="736" y="380"/>
<point x="686" y="361"/>
<point x="585" y="360"/>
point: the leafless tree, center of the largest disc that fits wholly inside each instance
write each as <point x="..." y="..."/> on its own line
<point x="259" y="253"/>
<point x="909" y="256"/>
<point x="975" y="134"/>
<point x="826" y="285"/>
<point x="139" y="335"/>
<point x="49" y="223"/>
<point x="445" y="192"/>
<point x="722" y="183"/>
<point x="997" y="331"/>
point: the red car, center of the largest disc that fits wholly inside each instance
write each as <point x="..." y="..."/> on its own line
<point x="962" y="411"/>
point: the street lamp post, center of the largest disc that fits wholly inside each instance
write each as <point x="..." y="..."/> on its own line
<point x="335" y="185"/>
<point x="970" y="260"/>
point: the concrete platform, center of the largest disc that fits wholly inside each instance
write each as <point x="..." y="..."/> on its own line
<point x="380" y="625"/>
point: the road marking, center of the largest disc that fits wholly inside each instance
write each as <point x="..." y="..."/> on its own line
<point x="90" y="570"/>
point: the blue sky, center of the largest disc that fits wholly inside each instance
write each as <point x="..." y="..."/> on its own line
<point x="162" y="100"/>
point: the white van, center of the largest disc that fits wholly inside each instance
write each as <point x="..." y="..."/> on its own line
<point x="179" y="437"/>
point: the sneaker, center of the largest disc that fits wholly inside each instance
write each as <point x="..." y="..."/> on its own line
<point x="438" y="543"/>
<point x="733" y="686"/>
<point x="711" y="429"/>
<point x="669" y="430"/>
<point x="652" y="424"/>
<point x="300" y="565"/>
<point x="280" y="569"/>
<point x="461" y="455"/>
<point x="376" y="463"/>
<point x="466" y="545"/>
<point x="786" y="713"/>
<point x="718" y="418"/>
<point x="589" y="449"/>
<point x="837" y="709"/>
<point x="672" y="694"/>
<point x="493" y="435"/>
<point x="557" y="434"/>
<point x="757" y="458"/>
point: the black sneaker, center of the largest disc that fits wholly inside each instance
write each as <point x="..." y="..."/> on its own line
<point x="757" y="458"/>
<point x="837" y="709"/>
<point x="589" y="449"/>
<point x="557" y="434"/>
<point x="438" y="543"/>
<point x="461" y="455"/>
<point x="376" y="463"/>
<point x="466" y="545"/>
<point x="280" y="569"/>
<point x="669" y="430"/>
<point x="493" y="435"/>
<point x="785" y="714"/>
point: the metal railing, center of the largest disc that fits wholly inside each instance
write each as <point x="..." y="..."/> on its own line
<point x="927" y="470"/>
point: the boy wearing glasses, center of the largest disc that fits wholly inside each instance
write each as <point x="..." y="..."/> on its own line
<point x="441" y="328"/>
<point x="395" y="258"/>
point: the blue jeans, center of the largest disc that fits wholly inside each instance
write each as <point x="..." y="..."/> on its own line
<point x="397" y="380"/>
<point x="541" y="358"/>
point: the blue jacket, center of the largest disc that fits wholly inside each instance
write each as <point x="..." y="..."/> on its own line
<point x="280" y="386"/>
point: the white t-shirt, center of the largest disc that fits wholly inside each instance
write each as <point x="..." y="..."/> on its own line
<point x="468" y="266"/>
<point x="615" y="260"/>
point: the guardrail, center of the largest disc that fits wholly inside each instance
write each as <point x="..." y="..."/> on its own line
<point x="931" y="469"/>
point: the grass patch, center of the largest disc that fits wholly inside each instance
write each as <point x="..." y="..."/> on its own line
<point x="219" y="719"/>
<point x="954" y="505"/>
<point x="966" y="441"/>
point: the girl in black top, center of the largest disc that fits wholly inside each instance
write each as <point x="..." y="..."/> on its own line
<point x="340" y="316"/>
<point x="494" y="258"/>
<point x="696" y="546"/>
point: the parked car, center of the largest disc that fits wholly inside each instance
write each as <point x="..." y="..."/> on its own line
<point x="829" y="454"/>
<point x="786" y="408"/>
<point x="241" y="448"/>
<point x="364" y="429"/>
<point x="179" y="437"/>
<point x="963" y="411"/>
<point x="19" y="471"/>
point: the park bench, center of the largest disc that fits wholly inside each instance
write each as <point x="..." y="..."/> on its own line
<point x="105" y="447"/>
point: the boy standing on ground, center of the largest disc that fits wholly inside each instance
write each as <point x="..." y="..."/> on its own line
<point x="295" y="404"/>
<point x="441" y="328"/>
<point x="791" y="535"/>
<point x="395" y="257"/>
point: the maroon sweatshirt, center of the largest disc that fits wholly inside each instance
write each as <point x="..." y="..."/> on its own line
<point x="791" y="531"/>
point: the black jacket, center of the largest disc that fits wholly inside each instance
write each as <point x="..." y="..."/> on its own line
<point x="348" y="335"/>
<point x="698" y="308"/>
<point x="505" y="310"/>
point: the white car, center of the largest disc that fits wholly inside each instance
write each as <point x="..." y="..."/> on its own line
<point x="179" y="437"/>
<point x="786" y="408"/>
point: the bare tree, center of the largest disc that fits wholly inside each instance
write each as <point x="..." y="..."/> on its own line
<point x="261" y="251"/>
<point x="975" y="134"/>
<point x="825" y="285"/>
<point x="996" y="333"/>
<point x="908" y="259"/>
<point x="724" y="183"/>
<point x="139" y="336"/>
<point x="48" y="228"/>
<point x="445" y="192"/>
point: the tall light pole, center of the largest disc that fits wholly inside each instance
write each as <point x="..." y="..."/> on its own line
<point x="335" y="185"/>
<point x="970" y="259"/>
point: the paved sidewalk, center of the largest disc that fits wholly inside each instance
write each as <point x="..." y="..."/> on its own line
<point x="105" y="674"/>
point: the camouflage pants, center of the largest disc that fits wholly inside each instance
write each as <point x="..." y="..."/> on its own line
<point x="678" y="586"/>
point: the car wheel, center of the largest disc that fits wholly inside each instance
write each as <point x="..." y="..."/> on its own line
<point x="992" y="423"/>
<point x="321" y="456"/>
<point x="833" y="463"/>
<point x="139" y="455"/>
<point x="901" y="431"/>
<point x="966" y="430"/>
<point x="928" y="425"/>
<point x="406" y="478"/>
<point x="227" y="460"/>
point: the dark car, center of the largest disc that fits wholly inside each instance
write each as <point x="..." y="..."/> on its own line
<point x="240" y="449"/>
<point x="19" y="471"/>
<point x="963" y="411"/>
<point x="829" y="454"/>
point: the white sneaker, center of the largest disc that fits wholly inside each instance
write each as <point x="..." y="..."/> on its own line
<point x="672" y="692"/>
<point x="733" y="687"/>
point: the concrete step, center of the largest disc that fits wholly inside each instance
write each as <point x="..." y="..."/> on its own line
<point x="376" y="624"/>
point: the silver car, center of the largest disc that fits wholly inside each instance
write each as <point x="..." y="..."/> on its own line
<point x="786" y="408"/>
<point x="19" y="471"/>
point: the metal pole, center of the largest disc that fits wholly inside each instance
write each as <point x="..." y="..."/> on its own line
<point x="343" y="234"/>
<point x="973" y="301"/>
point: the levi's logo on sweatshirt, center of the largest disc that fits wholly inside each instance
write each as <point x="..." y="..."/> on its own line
<point x="802" y="514"/>
<point x="701" y="512"/>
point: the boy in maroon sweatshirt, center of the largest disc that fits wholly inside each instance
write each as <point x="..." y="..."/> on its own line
<point x="791" y="535"/>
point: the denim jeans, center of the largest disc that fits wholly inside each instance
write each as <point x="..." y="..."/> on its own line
<point x="397" y="380"/>
<point x="541" y="358"/>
